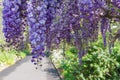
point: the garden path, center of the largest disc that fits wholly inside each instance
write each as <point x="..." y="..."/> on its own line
<point x="25" y="70"/>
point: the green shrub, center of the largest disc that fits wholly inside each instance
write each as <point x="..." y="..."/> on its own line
<point x="98" y="65"/>
<point x="73" y="50"/>
<point x="70" y="70"/>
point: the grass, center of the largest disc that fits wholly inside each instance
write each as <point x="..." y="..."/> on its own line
<point x="9" y="57"/>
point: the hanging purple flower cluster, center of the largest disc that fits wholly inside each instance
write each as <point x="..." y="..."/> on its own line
<point x="95" y="11"/>
<point x="95" y="14"/>
<point x="12" y="22"/>
<point x="89" y="18"/>
<point x="36" y="21"/>
<point x="53" y="21"/>
<point x="116" y="3"/>
<point x="23" y="8"/>
<point x="51" y="31"/>
<point x="68" y="13"/>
